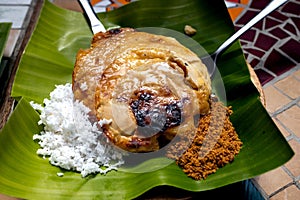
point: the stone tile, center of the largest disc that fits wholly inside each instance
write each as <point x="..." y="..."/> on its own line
<point x="278" y="15"/>
<point x="11" y="42"/>
<point x="17" y="2"/>
<point x="289" y="193"/>
<point x="291" y="28"/>
<point x="259" y="25"/>
<point x="291" y="8"/>
<point x="230" y="4"/>
<point x="254" y="62"/>
<point x="263" y="76"/>
<point x="248" y="36"/>
<point x="259" y="4"/>
<point x="291" y="119"/>
<point x="268" y="35"/>
<point x="256" y="52"/>
<point x="278" y="63"/>
<point x="274" y="99"/>
<point x="265" y="42"/>
<point x="278" y="32"/>
<point x="4" y="197"/>
<point x="284" y="132"/>
<point x="67" y="4"/>
<point x="245" y="18"/>
<point x="234" y="11"/>
<point x="99" y="9"/>
<point x="271" y="23"/>
<point x="273" y="180"/>
<point x="103" y="3"/>
<point x="14" y="14"/>
<point x="296" y="22"/>
<point x="289" y="86"/>
<point x="297" y="74"/>
<point x="293" y="165"/>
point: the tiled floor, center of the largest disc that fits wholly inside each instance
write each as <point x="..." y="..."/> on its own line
<point x="14" y="11"/>
<point x="272" y="48"/>
<point x="283" y="103"/>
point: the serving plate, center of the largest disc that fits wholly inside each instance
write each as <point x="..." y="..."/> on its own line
<point x="48" y="60"/>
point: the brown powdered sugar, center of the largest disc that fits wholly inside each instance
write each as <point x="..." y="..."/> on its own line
<point x="213" y="146"/>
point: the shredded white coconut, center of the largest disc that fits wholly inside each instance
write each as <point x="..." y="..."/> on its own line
<point x="69" y="139"/>
<point x="60" y="174"/>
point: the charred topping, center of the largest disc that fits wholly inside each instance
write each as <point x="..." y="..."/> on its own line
<point x="115" y="31"/>
<point x="154" y="116"/>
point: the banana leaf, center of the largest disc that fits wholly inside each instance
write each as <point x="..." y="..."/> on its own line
<point x="4" y="33"/>
<point x="48" y="60"/>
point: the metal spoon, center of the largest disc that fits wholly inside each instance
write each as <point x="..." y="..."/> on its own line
<point x="211" y="60"/>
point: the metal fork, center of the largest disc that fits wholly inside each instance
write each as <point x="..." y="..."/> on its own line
<point x="91" y="17"/>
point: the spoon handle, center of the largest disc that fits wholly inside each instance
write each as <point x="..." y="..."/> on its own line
<point x="91" y="17"/>
<point x="267" y="10"/>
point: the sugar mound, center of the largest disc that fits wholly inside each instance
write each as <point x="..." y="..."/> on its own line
<point x="69" y="140"/>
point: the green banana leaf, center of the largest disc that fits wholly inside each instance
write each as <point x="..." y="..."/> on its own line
<point x="4" y="33"/>
<point x="48" y="60"/>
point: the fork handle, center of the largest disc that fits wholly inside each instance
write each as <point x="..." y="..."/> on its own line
<point x="91" y="17"/>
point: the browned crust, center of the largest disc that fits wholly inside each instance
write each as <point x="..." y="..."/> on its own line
<point x="162" y="49"/>
<point x="97" y="37"/>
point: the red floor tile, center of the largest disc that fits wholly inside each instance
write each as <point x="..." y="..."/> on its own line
<point x="261" y="4"/>
<point x="292" y="48"/>
<point x="265" y="42"/>
<point x="291" y="8"/>
<point x="278" y="32"/>
<point x="270" y="23"/>
<point x="263" y="76"/>
<point x="278" y="63"/>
